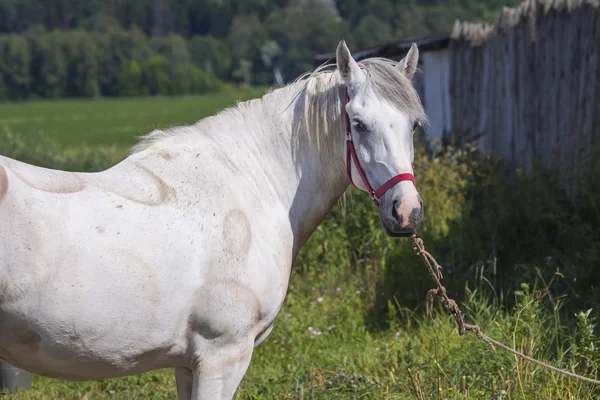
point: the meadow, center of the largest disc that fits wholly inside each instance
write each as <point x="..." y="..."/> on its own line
<point x="113" y="122"/>
<point x="520" y="259"/>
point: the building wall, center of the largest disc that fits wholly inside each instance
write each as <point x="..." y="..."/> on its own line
<point x="436" y="95"/>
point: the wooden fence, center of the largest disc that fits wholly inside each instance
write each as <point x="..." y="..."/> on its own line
<point x="530" y="84"/>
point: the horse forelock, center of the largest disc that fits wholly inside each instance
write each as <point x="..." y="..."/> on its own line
<point x="389" y="83"/>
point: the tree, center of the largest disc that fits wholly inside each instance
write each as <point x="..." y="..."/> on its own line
<point x="161" y="18"/>
<point x="210" y="54"/>
<point x="52" y="78"/>
<point x="246" y="37"/>
<point x="8" y="16"/>
<point x="130" y="79"/>
<point x="243" y="72"/>
<point x="3" y="94"/>
<point x="82" y="68"/>
<point x="14" y="66"/>
<point x="99" y="23"/>
<point x="258" y="7"/>
<point x="113" y="48"/>
<point x="410" y="23"/>
<point x="91" y="47"/>
<point x="30" y="13"/>
<point x="327" y="5"/>
<point x="201" y="82"/>
<point x="371" y="31"/>
<point x="155" y="75"/>
<point x="302" y="34"/>
<point x="271" y="53"/>
<point x="173" y="47"/>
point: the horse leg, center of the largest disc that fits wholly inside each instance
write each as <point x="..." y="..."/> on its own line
<point x="218" y="375"/>
<point x="185" y="381"/>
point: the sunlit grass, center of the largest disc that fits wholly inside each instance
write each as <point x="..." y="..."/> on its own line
<point x="116" y="122"/>
<point x="322" y="349"/>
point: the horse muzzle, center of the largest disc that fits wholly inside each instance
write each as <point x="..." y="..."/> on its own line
<point x="400" y="214"/>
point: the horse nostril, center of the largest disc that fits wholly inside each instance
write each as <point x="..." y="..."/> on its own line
<point x="394" y="212"/>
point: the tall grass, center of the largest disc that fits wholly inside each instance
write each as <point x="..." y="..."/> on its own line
<point x="519" y="257"/>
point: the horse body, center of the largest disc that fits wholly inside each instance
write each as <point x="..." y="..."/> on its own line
<point x="130" y="255"/>
<point x="180" y="255"/>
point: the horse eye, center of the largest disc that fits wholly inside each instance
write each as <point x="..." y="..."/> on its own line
<point x="359" y="126"/>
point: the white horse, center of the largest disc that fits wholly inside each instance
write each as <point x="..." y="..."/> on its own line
<point x="179" y="256"/>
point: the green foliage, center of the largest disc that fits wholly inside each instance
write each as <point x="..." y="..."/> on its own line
<point x="82" y="71"/>
<point x="245" y="39"/>
<point x="3" y="94"/>
<point x="370" y="32"/>
<point x="211" y="54"/>
<point x="78" y="48"/>
<point x="15" y="60"/>
<point x="130" y="79"/>
<point x="301" y="34"/>
<point x="83" y="64"/>
<point x="201" y="82"/>
<point x="49" y="67"/>
<point x="585" y="347"/>
<point x="155" y="75"/>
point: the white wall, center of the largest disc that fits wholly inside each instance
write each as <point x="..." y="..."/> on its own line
<point x="436" y="77"/>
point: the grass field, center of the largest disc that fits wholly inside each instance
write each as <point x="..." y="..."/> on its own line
<point x="108" y="122"/>
<point x="346" y="330"/>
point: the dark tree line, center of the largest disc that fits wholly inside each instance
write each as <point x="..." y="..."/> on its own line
<point x="77" y="63"/>
<point x="86" y="48"/>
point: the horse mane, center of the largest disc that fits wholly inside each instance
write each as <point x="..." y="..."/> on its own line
<point x="316" y="99"/>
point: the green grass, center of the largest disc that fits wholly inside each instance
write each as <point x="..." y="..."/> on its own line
<point x="321" y="348"/>
<point x="354" y="324"/>
<point x="108" y="122"/>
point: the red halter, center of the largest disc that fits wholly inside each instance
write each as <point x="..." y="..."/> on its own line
<point x="351" y="154"/>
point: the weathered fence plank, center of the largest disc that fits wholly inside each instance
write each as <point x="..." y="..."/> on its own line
<point x="530" y="84"/>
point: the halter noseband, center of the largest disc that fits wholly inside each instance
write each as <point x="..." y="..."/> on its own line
<point x="351" y="154"/>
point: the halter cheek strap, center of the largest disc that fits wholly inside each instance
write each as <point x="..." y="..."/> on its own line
<point x="351" y="156"/>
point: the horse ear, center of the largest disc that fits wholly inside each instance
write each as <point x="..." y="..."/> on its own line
<point x="408" y="65"/>
<point x="346" y="65"/>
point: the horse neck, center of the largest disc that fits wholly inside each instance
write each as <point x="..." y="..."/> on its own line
<point x="290" y="145"/>
<point x="316" y="132"/>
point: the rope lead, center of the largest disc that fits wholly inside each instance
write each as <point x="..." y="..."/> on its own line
<point x="452" y="308"/>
